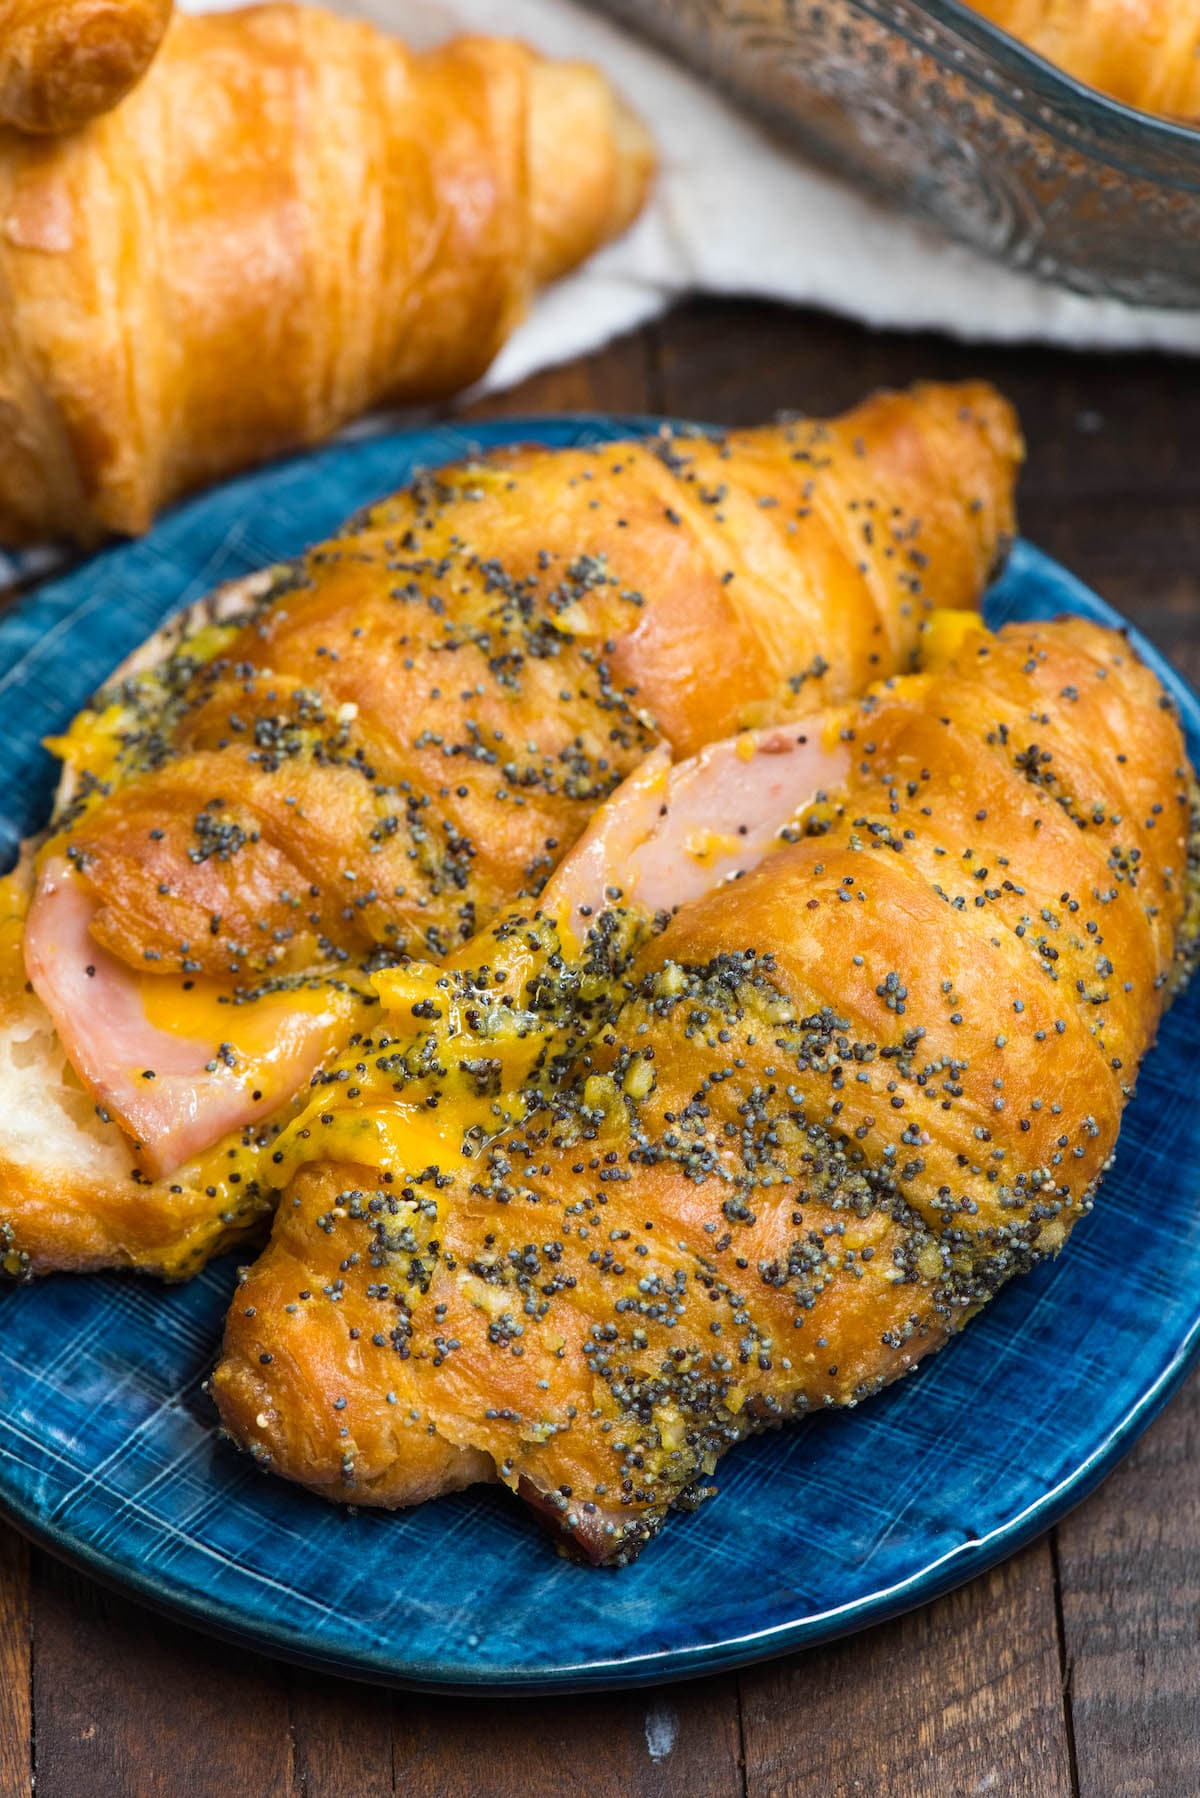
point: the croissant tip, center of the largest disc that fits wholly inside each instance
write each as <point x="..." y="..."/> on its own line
<point x="637" y="165"/>
<point x="591" y="164"/>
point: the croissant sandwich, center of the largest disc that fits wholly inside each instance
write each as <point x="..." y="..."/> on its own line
<point x="616" y="1188"/>
<point x="362" y="757"/>
<point x="62" y="62"/>
<point x="1143" y="52"/>
<point x="292" y="219"/>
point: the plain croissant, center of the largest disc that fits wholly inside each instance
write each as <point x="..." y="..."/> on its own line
<point x="395" y="736"/>
<point x="63" y="62"/>
<point x="1143" y="52"/>
<point x="291" y="219"/>
<point x="832" y="1107"/>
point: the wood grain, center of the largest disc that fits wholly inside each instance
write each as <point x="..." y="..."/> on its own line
<point x="618" y="378"/>
<point x="129" y="1706"/>
<point x="355" y="1740"/>
<point x="1112" y="481"/>
<point x="1129" y="1562"/>
<point x="680" y="1742"/>
<point x="982" y="1692"/>
<point x="342" y="1737"/>
<point x="961" y="1697"/>
<point x="16" y="1707"/>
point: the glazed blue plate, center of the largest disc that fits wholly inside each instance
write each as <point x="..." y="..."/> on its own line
<point x="108" y="1452"/>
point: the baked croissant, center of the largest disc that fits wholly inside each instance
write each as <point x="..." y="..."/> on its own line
<point x="1143" y="52"/>
<point x="63" y="62"/>
<point x="821" y="1118"/>
<point x="291" y="220"/>
<point x="396" y="735"/>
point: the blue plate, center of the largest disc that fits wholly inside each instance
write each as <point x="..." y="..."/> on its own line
<point x="107" y="1448"/>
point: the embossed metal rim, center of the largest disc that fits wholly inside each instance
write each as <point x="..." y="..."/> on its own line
<point x="1046" y="98"/>
<point x="1056" y="88"/>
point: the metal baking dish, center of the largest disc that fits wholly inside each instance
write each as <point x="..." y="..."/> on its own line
<point x="932" y="108"/>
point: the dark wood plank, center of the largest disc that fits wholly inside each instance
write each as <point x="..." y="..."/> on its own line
<point x="961" y="1697"/>
<point x="342" y="1737"/>
<point x="620" y="377"/>
<point x="128" y="1705"/>
<point x="680" y="1742"/>
<point x="1112" y="482"/>
<point x="16" y="1707"/>
<point x="1112" y="488"/>
<point x="1129" y="1562"/>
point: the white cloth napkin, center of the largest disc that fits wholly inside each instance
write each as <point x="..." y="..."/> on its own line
<point x="735" y="213"/>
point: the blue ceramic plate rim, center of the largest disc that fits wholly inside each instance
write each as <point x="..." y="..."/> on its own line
<point x="234" y="1623"/>
<point x="702" y="1660"/>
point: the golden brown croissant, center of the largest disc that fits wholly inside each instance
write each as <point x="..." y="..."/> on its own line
<point x="292" y="219"/>
<point x="1144" y="52"/>
<point x="63" y="62"/>
<point x="400" y="733"/>
<point x="826" y="1114"/>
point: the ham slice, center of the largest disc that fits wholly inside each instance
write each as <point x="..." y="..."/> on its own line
<point x="171" y="1091"/>
<point x="670" y="834"/>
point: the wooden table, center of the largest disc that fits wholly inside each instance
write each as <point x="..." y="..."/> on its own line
<point x="1072" y="1670"/>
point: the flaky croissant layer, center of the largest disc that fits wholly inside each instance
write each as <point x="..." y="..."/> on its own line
<point x="826" y="1113"/>
<point x="390" y="739"/>
<point x="292" y="219"/>
<point x="423" y="713"/>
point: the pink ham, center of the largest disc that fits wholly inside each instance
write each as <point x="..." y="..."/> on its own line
<point x="667" y="835"/>
<point x="157" y="1084"/>
<point x="670" y="834"/>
